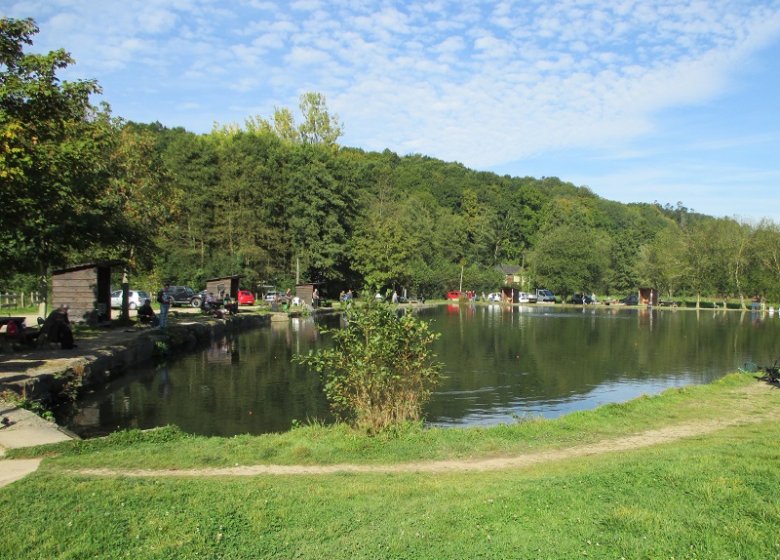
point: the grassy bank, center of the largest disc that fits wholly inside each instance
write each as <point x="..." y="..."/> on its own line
<point x="713" y="495"/>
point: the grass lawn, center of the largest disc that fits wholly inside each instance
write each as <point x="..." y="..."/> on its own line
<point x="711" y="495"/>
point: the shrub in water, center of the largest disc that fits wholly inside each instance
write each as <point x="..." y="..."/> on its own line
<point x="380" y="371"/>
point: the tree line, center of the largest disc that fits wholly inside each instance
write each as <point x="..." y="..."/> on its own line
<point x="279" y="200"/>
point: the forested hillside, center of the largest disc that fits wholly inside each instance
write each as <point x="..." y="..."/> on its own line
<point x="278" y="198"/>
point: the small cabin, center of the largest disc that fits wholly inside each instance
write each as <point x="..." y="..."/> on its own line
<point x="513" y="274"/>
<point x="304" y="292"/>
<point x="86" y="289"/>
<point x="225" y="286"/>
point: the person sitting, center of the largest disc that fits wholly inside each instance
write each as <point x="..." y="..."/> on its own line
<point x="56" y="328"/>
<point x="210" y="304"/>
<point x="230" y="306"/>
<point x="146" y="314"/>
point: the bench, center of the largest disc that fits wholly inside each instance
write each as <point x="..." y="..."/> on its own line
<point x="22" y="335"/>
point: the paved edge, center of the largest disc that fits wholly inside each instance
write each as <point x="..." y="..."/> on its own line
<point x="26" y="430"/>
<point x="16" y="469"/>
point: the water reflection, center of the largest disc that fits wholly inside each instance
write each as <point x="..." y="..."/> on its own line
<point x="500" y="363"/>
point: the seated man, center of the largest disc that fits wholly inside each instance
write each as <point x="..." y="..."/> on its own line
<point x="210" y="304"/>
<point x="146" y="314"/>
<point x="230" y="306"/>
<point x="56" y="328"/>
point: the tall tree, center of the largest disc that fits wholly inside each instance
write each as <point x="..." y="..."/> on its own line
<point x="571" y="259"/>
<point x="318" y="126"/>
<point x="53" y="152"/>
<point x="320" y="194"/>
<point x="662" y="262"/>
<point x="764" y="252"/>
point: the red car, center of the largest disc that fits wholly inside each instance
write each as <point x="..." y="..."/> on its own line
<point x="245" y="297"/>
<point x="454" y="294"/>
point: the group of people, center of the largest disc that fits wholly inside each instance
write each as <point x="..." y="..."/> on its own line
<point x="146" y="314"/>
<point x="212" y="305"/>
<point x="219" y="308"/>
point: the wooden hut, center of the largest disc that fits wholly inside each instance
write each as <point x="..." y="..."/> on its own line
<point x="86" y="289"/>
<point x="221" y="287"/>
<point x="304" y="292"/>
<point x="513" y="274"/>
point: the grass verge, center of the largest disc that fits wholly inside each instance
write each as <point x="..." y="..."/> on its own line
<point x="709" y="496"/>
<point x="728" y="398"/>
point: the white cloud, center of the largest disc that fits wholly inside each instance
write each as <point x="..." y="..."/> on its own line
<point x="156" y="20"/>
<point x="480" y="82"/>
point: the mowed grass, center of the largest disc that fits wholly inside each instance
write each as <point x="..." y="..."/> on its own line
<point x="707" y="496"/>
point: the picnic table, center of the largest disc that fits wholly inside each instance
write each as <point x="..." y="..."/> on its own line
<point x="21" y="334"/>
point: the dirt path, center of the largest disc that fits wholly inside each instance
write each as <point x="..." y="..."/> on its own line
<point x="745" y="415"/>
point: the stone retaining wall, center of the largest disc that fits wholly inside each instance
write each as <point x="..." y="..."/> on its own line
<point x="52" y="380"/>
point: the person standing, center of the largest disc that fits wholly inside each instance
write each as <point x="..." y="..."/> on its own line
<point x="315" y="298"/>
<point x="165" y="299"/>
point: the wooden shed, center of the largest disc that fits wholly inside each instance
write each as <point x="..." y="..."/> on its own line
<point x="221" y="287"/>
<point x="86" y="289"/>
<point x="305" y="291"/>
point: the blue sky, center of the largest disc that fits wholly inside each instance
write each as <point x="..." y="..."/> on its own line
<point x="640" y="101"/>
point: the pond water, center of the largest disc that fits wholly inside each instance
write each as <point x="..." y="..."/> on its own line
<point x="500" y="364"/>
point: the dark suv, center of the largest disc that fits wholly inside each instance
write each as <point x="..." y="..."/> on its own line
<point x="184" y="295"/>
<point x="582" y="299"/>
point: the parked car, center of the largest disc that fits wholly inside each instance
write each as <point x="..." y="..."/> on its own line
<point x="184" y="295"/>
<point x="494" y="296"/>
<point x="524" y="297"/>
<point x="630" y="299"/>
<point x="135" y="299"/>
<point x="245" y="297"/>
<point x="271" y="295"/>
<point x="582" y="299"/>
<point x="454" y="294"/>
<point x="545" y="295"/>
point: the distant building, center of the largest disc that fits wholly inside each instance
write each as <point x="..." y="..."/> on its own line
<point x="225" y="286"/>
<point x="513" y="274"/>
<point x="86" y="289"/>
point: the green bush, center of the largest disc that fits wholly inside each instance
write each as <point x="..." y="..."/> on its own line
<point x="381" y="371"/>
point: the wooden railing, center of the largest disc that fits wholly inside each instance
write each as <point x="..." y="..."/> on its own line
<point x="17" y="300"/>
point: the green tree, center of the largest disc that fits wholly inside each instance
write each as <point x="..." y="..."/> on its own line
<point x="570" y="259"/>
<point x="140" y="189"/>
<point x="188" y="250"/>
<point x="662" y="263"/>
<point x="764" y="251"/>
<point x="701" y="252"/>
<point x="318" y="126"/>
<point x="320" y="209"/>
<point x="53" y="149"/>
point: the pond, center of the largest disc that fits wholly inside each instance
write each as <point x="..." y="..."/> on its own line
<point x="500" y="364"/>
